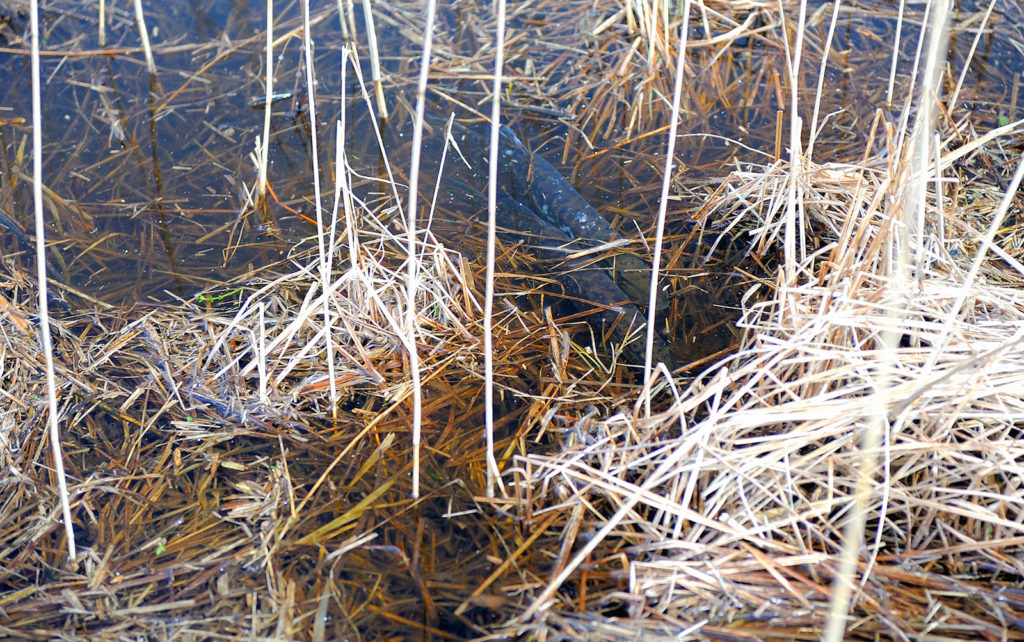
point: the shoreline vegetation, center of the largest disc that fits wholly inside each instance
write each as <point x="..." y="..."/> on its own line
<point x="276" y="416"/>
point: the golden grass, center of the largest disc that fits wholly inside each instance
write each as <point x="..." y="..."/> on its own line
<point x="738" y="495"/>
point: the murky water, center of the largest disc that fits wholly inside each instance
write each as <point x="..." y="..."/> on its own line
<point x="150" y="180"/>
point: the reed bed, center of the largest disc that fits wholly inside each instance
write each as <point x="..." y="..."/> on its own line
<point x="207" y="451"/>
<point x="729" y="508"/>
<point x="241" y="464"/>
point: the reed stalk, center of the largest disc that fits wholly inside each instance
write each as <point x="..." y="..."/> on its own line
<point x="951" y="104"/>
<point x="411" y="311"/>
<point x="794" y="204"/>
<point x="324" y="255"/>
<point x="911" y="247"/>
<point x="895" y="55"/>
<point x="812" y="132"/>
<point x="666" y="182"/>
<point x="493" y="474"/>
<point x="140" y="20"/>
<point x="371" y="37"/>
<point x="265" y="142"/>
<point x="102" y="23"/>
<point x="44" y="312"/>
<point x="863" y="423"/>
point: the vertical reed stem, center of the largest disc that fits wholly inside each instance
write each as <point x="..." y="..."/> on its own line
<point x="265" y="146"/>
<point x="410" y="311"/>
<point x="371" y="36"/>
<point x="493" y="474"/>
<point x="44" y="312"/>
<point x="307" y="44"/>
<point x="666" y="182"/>
<point x="140" y="19"/>
<point x="103" y="23"/>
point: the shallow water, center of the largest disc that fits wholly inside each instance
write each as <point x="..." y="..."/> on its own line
<point x="150" y="178"/>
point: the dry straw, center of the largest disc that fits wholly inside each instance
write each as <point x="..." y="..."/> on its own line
<point x="857" y="447"/>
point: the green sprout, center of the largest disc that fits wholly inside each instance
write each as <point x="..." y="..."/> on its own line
<point x="212" y="298"/>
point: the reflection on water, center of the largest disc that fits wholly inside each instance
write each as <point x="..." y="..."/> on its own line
<point x="148" y="177"/>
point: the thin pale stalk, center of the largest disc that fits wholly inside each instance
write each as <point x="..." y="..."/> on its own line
<point x="342" y="188"/>
<point x="853" y="534"/>
<point x="659" y="235"/>
<point x="931" y="87"/>
<point x="970" y="56"/>
<point x="376" y="128"/>
<point x="493" y="474"/>
<point x="44" y="312"/>
<point x="895" y="55"/>
<point x="261" y="356"/>
<point x="342" y="199"/>
<point x="265" y="143"/>
<point x="987" y="243"/>
<point x="103" y="23"/>
<point x="345" y="34"/>
<point x="325" y="266"/>
<point x="794" y="206"/>
<point x="440" y="169"/>
<point x="813" y="132"/>
<point x="410" y="304"/>
<point x="915" y="70"/>
<point x="793" y="67"/>
<point x="140" y="19"/>
<point x="371" y="36"/>
<point x="914" y="209"/>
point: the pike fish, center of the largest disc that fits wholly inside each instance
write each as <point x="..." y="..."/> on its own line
<point x="615" y="317"/>
<point x="536" y="199"/>
<point x="530" y="179"/>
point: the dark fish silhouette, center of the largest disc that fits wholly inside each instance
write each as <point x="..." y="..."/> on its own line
<point x="532" y="181"/>
<point x="614" y="315"/>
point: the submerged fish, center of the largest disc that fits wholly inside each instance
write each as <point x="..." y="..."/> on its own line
<point x="614" y="315"/>
<point x="9" y="223"/>
<point x="531" y="180"/>
<point x="535" y="199"/>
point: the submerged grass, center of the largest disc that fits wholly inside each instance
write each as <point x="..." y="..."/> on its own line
<point x="225" y="481"/>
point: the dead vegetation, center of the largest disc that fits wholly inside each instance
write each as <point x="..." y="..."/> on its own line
<point x="240" y="464"/>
